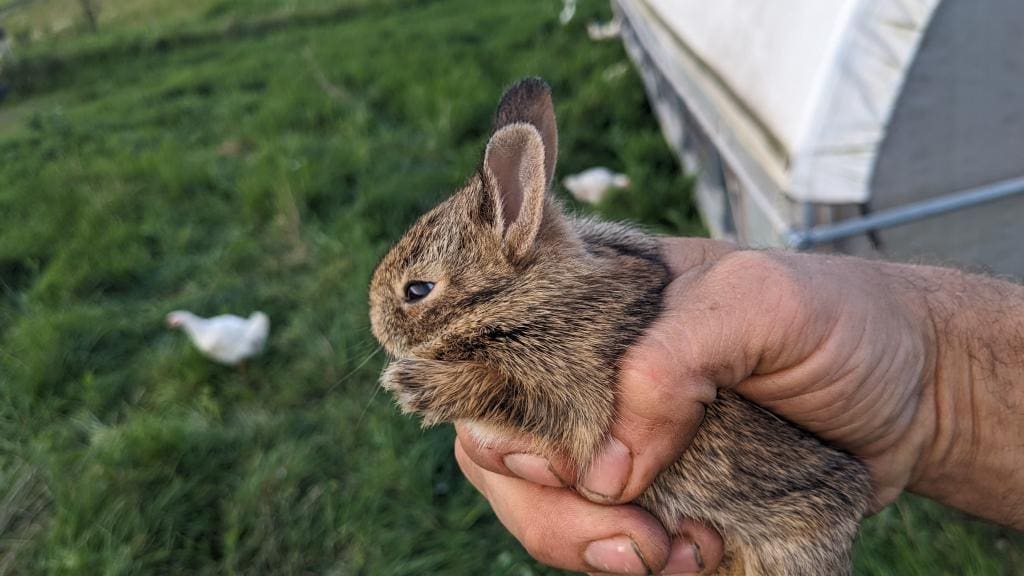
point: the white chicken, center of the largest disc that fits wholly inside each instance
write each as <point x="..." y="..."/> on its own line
<point x="227" y="339"/>
<point x="568" y="11"/>
<point x="600" y="32"/>
<point x="592" y="184"/>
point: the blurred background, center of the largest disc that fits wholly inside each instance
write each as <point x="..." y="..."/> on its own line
<point x="233" y="155"/>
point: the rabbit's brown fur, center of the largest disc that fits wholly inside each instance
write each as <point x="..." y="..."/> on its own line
<point x="531" y="312"/>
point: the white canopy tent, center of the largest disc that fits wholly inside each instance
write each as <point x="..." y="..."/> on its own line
<point x="867" y="126"/>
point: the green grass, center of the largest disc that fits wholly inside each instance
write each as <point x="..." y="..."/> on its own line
<point x="227" y="155"/>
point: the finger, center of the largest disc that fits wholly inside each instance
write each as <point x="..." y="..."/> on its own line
<point x="697" y="549"/>
<point x="509" y="455"/>
<point x="663" y="386"/>
<point x="561" y="529"/>
<point x="659" y="409"/>
<point x="700" y="343"/>
<point x="697" y="545"/>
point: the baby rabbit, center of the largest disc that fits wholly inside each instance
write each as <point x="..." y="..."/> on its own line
<point x="501" y="309"/>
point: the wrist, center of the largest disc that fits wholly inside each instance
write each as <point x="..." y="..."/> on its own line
<point x="972" y="457"/>
<point x="911" y="456"/>
<point x="935" y="425"/>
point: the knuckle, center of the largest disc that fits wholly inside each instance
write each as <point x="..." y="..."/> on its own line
<point x="759" y="269"/>
<point x="765" y="286"/>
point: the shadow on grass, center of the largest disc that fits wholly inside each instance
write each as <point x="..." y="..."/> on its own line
<point x="49" y="70"/>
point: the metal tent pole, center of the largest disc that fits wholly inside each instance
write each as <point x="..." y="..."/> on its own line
<point x="810" y="237"/>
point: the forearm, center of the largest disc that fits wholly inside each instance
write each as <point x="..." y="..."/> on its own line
<point x="975" y="459"/>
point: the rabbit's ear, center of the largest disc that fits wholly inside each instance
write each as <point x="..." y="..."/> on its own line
<point x="520" y="163"/>
<point x="529" y="102"/>
<point x="516" y="185"/>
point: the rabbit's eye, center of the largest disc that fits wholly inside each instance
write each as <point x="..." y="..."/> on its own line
<point x="417" y="290"/>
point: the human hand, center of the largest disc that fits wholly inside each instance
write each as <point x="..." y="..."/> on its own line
<point x="839" y="346"/>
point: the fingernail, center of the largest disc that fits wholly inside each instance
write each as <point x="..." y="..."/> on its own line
<point x="534" y="468"/>
<point x="609" y="472"/>
<point x="684" y="558"/>
<point x="615" y="555"/>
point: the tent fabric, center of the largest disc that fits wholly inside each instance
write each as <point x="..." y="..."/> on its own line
<point x="818" y="79"/>
<point x="797" y="119"/>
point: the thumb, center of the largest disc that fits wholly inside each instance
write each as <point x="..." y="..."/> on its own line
<point x="668" y="377"/>
<point x="658" y="412"/>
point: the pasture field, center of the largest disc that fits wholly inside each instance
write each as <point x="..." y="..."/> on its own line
<point x="232" y="155"/>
